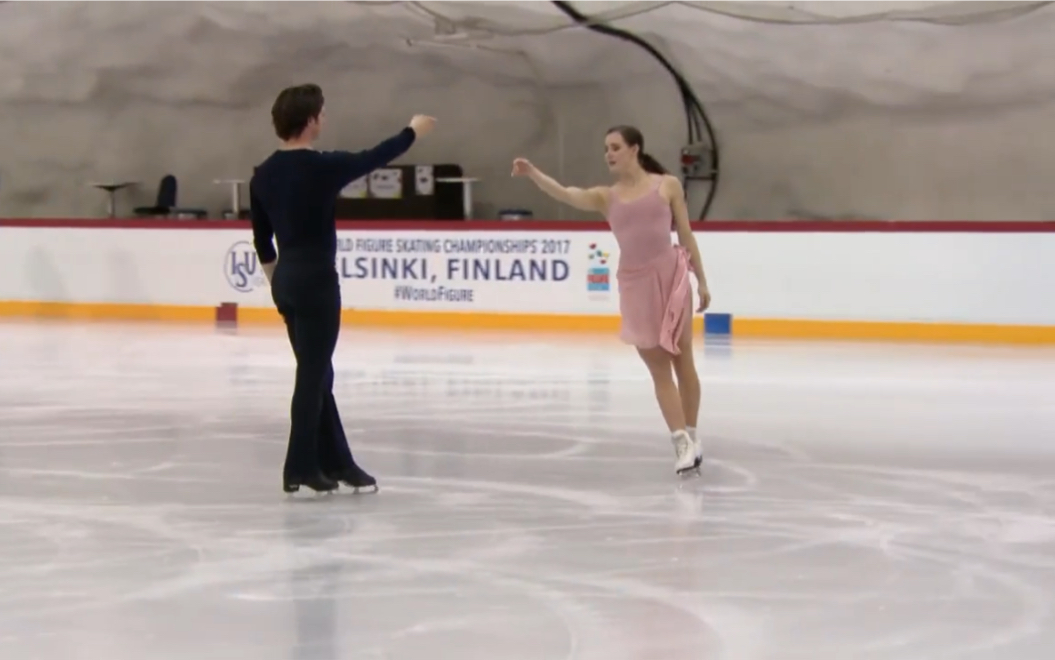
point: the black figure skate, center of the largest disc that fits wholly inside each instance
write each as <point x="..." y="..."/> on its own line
<point x="354" y="477"/>
<point x="317" y="482"/>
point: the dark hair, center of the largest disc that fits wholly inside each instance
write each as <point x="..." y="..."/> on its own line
<point x="633" y="138"/>
<point x="294" y="108"/>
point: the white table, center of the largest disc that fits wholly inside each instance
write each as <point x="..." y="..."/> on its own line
<point x="111" y="188"/>
<point x="236" y="193"/>
<point x="467" y="192"/>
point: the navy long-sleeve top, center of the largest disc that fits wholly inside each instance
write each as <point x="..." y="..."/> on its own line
<point x="293" y="195"/>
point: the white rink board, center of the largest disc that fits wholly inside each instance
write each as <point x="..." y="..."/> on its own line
<point x="495" y="271"/>
<point x="1002" y="278"/>
<point x="492" y="271"/>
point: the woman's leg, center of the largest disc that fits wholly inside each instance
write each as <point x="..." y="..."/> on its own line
<point x="689" y="383"/>
<point x="685" y="370"/>
<point x="658" y="362"/>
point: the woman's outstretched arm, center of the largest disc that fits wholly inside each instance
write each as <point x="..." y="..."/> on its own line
<point x="584" y="199"/>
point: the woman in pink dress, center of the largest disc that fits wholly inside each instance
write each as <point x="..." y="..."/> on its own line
<point x="655" y="297"/>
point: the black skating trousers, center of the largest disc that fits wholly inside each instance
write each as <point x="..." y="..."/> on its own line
<point x="307" y="293"/>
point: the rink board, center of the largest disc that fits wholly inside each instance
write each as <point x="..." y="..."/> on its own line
<point x="911" y="281"/>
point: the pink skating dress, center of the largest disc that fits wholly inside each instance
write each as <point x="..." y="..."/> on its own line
<point x="653" y="273"/>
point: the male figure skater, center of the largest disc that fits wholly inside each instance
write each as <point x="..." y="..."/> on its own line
<point x="292" y="198"/>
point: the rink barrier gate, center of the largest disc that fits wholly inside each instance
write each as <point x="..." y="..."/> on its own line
<point x="910" y="281"/>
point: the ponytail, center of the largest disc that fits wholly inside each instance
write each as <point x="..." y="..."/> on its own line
<point x="650" y="164"/>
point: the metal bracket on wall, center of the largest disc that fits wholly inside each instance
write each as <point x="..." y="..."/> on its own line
<point x="697" y="162"/>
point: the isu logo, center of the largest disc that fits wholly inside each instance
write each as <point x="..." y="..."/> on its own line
<point x="241" y="268"/>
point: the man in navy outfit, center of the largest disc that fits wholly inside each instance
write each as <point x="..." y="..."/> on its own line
<point x="292" y="197"/>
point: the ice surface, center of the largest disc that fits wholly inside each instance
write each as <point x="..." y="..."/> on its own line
<point x="859" y="501"/>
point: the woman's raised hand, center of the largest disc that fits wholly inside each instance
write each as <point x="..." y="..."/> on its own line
<point x="522" y="167"/>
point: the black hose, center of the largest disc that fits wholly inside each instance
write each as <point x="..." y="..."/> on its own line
<point x="695" y="114"/>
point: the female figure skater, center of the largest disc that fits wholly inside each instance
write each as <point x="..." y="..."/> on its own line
<point x="292" y="198"/>
<point x="655" y="300"/>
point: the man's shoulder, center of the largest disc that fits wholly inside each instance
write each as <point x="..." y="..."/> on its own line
<point x="283" y="157"/>
<point x="280" y="160"/>
<point x="266" y="164"/>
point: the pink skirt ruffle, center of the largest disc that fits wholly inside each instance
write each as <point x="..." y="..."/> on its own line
<point x="653" y="300"/>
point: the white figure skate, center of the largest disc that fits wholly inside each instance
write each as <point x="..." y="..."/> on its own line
<point x="688" y="453"/>
<point x="699" y="448"/>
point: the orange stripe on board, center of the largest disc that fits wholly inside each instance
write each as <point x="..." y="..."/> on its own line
<point x="105" y="311"/>
<point x="742" y="328"/>
<point x="891" y="331"/>
<point x="258" y="315"/>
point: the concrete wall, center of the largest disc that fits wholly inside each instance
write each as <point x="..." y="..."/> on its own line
<point x="186" y="88"/>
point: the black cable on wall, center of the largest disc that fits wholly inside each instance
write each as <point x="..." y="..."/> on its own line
<point x="695" y="115"/>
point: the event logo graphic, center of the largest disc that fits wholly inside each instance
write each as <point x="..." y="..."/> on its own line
<point x="598" y="274"/>
<point x="242" y="268"/>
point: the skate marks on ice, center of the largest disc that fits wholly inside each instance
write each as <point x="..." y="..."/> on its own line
<point x="527" y="510"/>
<point x="819" y="561"/>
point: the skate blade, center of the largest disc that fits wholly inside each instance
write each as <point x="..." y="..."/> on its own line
<point x="365" y="489"/>
<point x="693" y="471"/>
<point x="295" y="492"/>
<point x="357" y="489"/>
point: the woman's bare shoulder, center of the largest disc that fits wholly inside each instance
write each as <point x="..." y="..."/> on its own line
<point x="670" y="186"/>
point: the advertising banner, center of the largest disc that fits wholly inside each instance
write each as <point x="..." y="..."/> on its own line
<point x="507" y="271"/>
